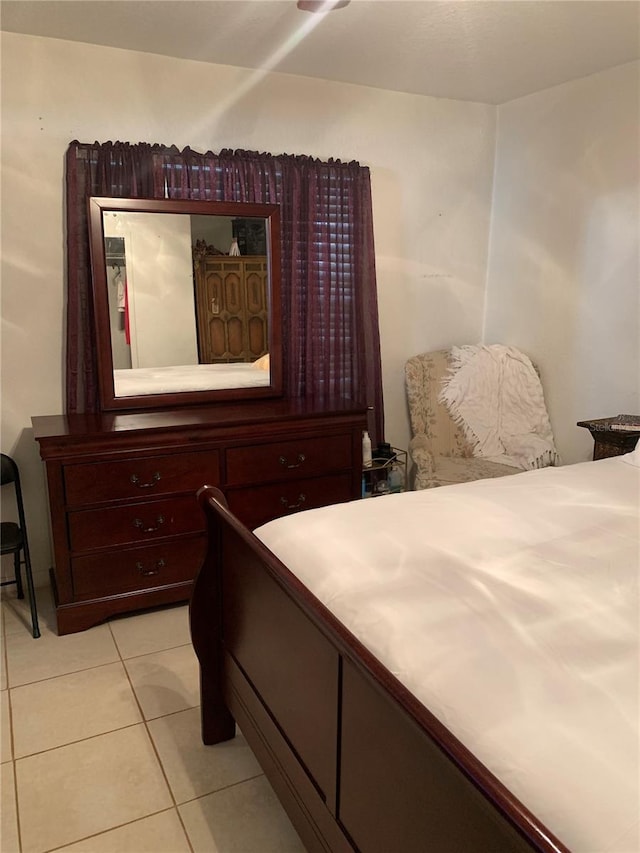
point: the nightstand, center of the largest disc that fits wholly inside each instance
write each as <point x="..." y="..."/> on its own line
<point x="607" y="441"/>
<point x="386" y="474"/>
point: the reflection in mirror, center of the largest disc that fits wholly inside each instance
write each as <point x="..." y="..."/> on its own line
<point x="177" y="300"/>
<point x="188" y="293"/>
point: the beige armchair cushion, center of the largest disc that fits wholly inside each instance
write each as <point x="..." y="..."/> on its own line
<point x="439" y="450"/>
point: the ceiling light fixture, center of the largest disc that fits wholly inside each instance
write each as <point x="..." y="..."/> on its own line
<point x="322" y="5"/>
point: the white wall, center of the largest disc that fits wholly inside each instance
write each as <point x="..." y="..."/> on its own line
<point x="564" y="276"/>
<point x="431" y="163"/>
<point x="160" y="296"/>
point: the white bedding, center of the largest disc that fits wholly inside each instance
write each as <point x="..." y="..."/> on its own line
<point x="510" y="608"/>
<point x="188" y="377"/>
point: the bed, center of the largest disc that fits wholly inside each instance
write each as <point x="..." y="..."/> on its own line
<point x="131" y="382"/>
<point x="446" y="670"/>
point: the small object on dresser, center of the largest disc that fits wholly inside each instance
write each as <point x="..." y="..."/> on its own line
<point x="384" y="451"/>
<point x="625" y="422"/>
<point x="366" y="449"/>
<point x="396" y="479"/>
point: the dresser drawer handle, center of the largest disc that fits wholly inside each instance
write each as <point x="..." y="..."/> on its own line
<point x="147" y="573"/>
<point x="136" y="481"/>
<point x="285" y="462"/>
<point x="138" y="522"/>
<point x="285" y="503"/>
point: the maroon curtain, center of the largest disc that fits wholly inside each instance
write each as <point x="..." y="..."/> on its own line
<point x="111" y="170"/>
<point x="330" y="315"/>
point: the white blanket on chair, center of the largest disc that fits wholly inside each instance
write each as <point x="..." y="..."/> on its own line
<point x="494" y="393"/>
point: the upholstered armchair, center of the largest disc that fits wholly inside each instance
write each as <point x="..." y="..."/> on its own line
<point x="439" y="450"/>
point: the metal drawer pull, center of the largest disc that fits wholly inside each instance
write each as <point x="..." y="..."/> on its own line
<point x="285" y="503"/>
<point x="138" y="522"/>
<point x="147" y="573"/>
<point x="284" y="461"/>
<point x="136" y="481"/>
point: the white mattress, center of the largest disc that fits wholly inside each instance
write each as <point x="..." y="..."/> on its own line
<point x="510" y="608"/>
<point x="189" y="377"/>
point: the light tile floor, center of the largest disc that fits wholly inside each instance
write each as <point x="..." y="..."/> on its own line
<point x="101" y="748"/>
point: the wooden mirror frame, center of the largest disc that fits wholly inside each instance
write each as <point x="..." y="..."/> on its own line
<point x="108" y="399"/>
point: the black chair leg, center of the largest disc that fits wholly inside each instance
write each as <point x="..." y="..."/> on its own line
<point x="14" y="540"/>
<point x="35" y="627"/>
<point x="16" y="564"/>
<point x="32" y="599"/>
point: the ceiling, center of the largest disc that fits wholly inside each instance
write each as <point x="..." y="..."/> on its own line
<point x="490" y="51"/>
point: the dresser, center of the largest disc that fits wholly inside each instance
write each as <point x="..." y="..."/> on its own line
<point x="126" y="527"/>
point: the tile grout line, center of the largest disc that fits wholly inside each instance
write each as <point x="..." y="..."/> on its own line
<point x="5" y="662"/>
<point x="64" y="675"/>
<point x="153" y="744"/>
<point x="147" y="654"/>
<point x="14" y="758"/>
<point x="122" y="661"/>
<point x="105" y="831"/>
<point x="74" y="742"/>
<point x="224" y="788"/>
<point x="119" y="659"/>
<point x="151" y="741"/>
<point x="12" y="739"/>
<point x="142" y="720"/>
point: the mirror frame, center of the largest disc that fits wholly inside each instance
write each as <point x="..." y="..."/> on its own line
<point x="269" y="212"/>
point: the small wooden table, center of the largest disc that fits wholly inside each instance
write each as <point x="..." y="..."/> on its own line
<point x="607" y="441"/>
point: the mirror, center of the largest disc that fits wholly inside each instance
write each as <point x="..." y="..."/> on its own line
<point x="186" y="301"/>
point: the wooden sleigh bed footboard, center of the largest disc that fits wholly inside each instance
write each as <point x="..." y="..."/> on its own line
<point x="357" y="762"/>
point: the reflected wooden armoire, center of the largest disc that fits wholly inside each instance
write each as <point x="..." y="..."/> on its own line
<point x="231" y="306"/>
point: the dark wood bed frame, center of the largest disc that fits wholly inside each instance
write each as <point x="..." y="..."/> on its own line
<point x="357" y="762"/>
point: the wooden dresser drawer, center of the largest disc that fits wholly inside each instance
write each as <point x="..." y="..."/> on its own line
<point x="258" y="505"/>
<point x="143" y="567"/>
<point x="142" y="522"/>
<point x="140" y="477"/>
<point x="126" y="526"/>
<point x="284" y="460"/>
